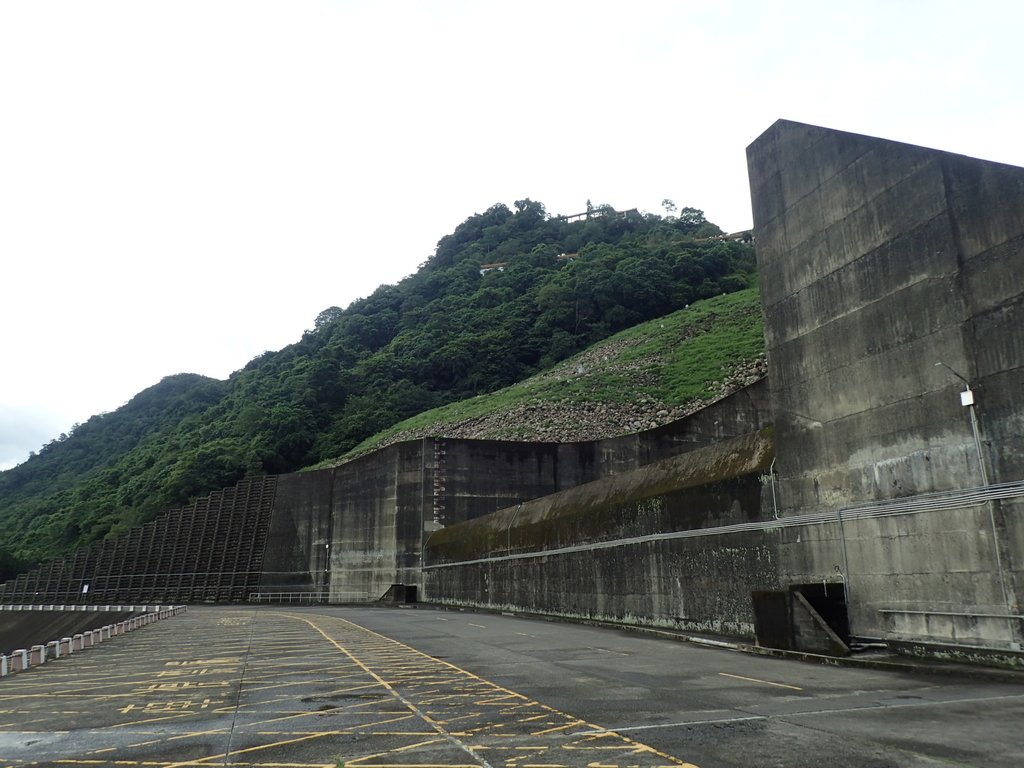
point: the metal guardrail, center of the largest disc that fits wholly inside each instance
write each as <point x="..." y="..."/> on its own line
<point x="289" y="597"/>
<point x="309" y="598"/>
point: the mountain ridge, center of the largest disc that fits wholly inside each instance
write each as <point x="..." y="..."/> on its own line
<point x="447" y="333"/>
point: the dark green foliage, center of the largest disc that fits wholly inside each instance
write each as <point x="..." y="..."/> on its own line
<point x="444" y="334"/>
<point x="10" y="566"/>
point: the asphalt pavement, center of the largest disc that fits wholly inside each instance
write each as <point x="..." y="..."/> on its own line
<point x="323" y="686"/>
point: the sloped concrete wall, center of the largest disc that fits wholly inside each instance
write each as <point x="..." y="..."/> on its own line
<point x="296" y="558"/>
<point x="354" y="529"/>
<point x="594" y="550"/>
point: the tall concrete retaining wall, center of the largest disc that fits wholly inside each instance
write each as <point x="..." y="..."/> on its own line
<point x="892" y="278"/>
<point x="685" y="542"/>
<point x="349" y="532"/>
<point x="877" y="261"/>
<point x="618" y="548"/>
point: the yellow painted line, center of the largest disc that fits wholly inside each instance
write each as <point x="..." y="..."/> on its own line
<point x="642" y="747"/>
<point x="175" y="716"/>
<point x="400" y="716"/>
<point x="426" y="718"/>
<point x="415" y="745"/>
<point x="225" y="755"/>
<point x="347" y="732"/>
<point x="755" y="680"/>
<point x="559" y="728"/>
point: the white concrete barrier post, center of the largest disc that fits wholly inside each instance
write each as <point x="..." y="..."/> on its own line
<point x="19" y="660"/>
<point x="65" y="646"/>
<point x="53" y="649"/>
<point x="37" y="655"/>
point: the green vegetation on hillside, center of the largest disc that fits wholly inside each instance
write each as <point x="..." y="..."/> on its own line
<point x="682" y="360"/>
<point x="453" y="330"/>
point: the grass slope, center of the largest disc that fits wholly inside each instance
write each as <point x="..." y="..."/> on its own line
<point x="652" y="373"/>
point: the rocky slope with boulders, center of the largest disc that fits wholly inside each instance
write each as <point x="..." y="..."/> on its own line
<point x="572" y="420"/>
<point x="616" y="387"/>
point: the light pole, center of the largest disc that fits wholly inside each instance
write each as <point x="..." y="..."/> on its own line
<point x="967" y="400"/>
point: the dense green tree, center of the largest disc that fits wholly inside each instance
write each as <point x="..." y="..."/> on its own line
<point x="445" y="333"/>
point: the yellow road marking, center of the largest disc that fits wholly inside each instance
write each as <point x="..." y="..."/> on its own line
<point x="755" y="680"/>
<point x="426" y="718"/>
<point x="463" y="672"/>
<point x="205" y="760"/>
<point x="498" y="721"/>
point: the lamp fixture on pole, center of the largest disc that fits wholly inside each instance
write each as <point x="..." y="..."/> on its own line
<point x="967" y="400"/>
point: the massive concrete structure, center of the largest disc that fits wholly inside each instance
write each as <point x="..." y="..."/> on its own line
<point x="879" y="261"/>
<point x="875" y="490"/>
<point x="348" y="533"/>
<point x="892" y="279"/>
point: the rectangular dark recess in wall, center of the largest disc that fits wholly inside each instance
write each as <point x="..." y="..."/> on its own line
<point x="829" y="600"/>
<point x="772" y="621"/>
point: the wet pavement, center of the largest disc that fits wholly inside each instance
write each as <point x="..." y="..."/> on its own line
<point x="328" y="686"/>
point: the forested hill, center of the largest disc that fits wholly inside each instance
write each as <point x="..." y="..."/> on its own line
<point x="507" y="294"/>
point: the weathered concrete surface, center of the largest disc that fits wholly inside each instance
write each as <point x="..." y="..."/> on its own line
<point x="905" y="573"/>
<point x="355" y="529"/>
<point x="879" y="260"/>
<point x="700" y="583"/>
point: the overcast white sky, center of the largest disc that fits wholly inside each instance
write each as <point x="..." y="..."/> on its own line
<point x="184" y="185"/>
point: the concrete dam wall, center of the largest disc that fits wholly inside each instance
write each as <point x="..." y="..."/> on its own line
<point x="624" y="548"/>
<point x="892" y="281"/>
<point x="349" y="532"/>
<point x="880" y="477"/>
